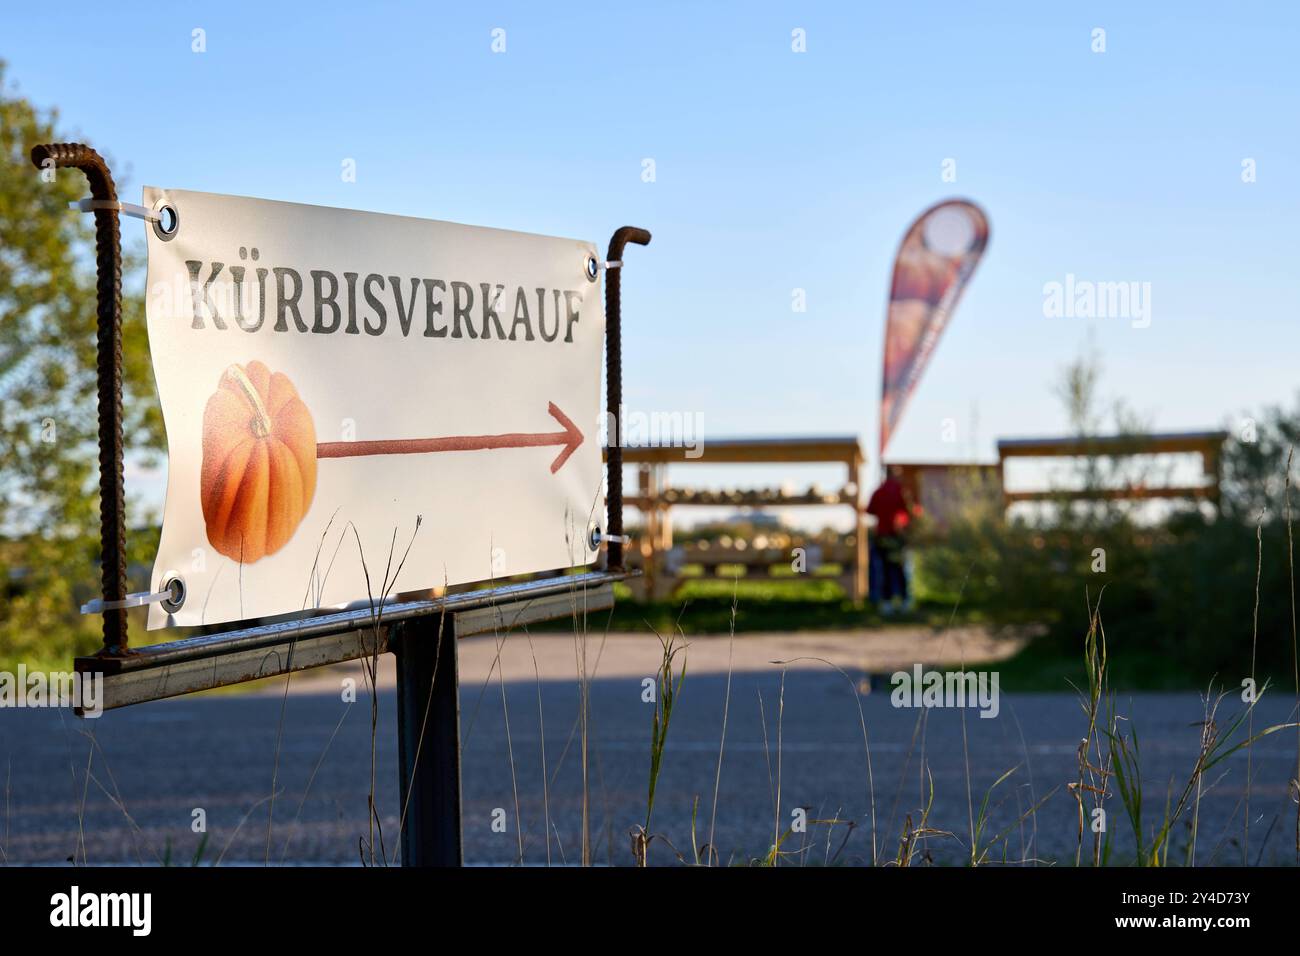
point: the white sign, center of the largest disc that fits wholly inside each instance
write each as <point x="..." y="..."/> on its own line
<point x="331" y="379"/>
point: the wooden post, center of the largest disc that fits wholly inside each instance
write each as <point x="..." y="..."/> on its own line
<point x="861" y="550"/>
<point x="646" y="546"/>
<point x="1002" y="482"/>
<point x="661" y="585"/>
<point x="1212" y="463"/>
<point x="665" y="541"/>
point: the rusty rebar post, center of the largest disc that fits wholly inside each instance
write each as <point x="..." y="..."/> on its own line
<point x="108" y="293"/>
<point x="614" y="388"/>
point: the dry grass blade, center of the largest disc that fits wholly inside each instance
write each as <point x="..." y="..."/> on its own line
<point x="371" y="667"/>
<point x="1095" y="771"/>
<point x="1295" y="649"/>
<point x="541" y="739"/>
<point x="666" y="693"/>
<point x="912" y="835"/>
<point x="284" y="850"/>
<point x="726" y="708"/>
<point x="1254" y="640"/>
<point x="866" y="743"/>
<point x="4" y="847"/>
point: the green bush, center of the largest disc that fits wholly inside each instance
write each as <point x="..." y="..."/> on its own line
<point x="1183" y="590"/>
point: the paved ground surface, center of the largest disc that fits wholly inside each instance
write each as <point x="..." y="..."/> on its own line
<point x="794" y="739"/>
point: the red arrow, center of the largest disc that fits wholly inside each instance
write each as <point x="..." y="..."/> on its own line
<point x="571" y="437"/>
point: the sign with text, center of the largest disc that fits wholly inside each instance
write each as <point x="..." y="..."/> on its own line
<point x="346" y="394"/>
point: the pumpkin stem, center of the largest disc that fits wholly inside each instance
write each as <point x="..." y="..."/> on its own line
<point x="261" y="421"/>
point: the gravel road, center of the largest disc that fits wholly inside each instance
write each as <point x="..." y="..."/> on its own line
<point x="794" y="739"/>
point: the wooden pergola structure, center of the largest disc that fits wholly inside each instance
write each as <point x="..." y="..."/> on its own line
<point x="661" y="562"/>
<point x="1207" y="444"/>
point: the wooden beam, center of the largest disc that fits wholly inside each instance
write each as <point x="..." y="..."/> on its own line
<point x="1170" y="443"/>
<point x="832" y="450"/>
<point x="1113" y="494"/>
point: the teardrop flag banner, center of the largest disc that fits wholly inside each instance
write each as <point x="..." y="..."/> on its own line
<point x="935" y="260"/>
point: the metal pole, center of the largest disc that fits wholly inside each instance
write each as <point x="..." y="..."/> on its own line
<point x="428" y="740"/>
<point x="108" y="292"/>
<point x="614" y="387"/>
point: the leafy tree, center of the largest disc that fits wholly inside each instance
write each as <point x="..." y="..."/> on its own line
<point x="49" y="503"/>
<point x="1255" y="467"/>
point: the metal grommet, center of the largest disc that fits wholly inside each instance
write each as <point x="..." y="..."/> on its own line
<point x="593" y="268"/>
<point x="594" y="537"/>
<point x="168" y="222"/>
<point x="176" y="585"/>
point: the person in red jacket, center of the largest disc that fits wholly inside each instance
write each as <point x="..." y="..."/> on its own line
<point x="890" y="507"/>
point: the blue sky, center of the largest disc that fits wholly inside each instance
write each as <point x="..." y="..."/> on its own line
<point x="775" y="170"/>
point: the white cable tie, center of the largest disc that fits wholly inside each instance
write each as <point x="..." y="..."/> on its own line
<point x="174" y="592"/>
<point x="603" y="538"/>
<point x="99" y="605"/>
<point x="125" y="208"/>
<point x="612" y="264"/>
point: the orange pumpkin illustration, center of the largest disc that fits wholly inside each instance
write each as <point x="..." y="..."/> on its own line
<point x="259" y="462"/>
